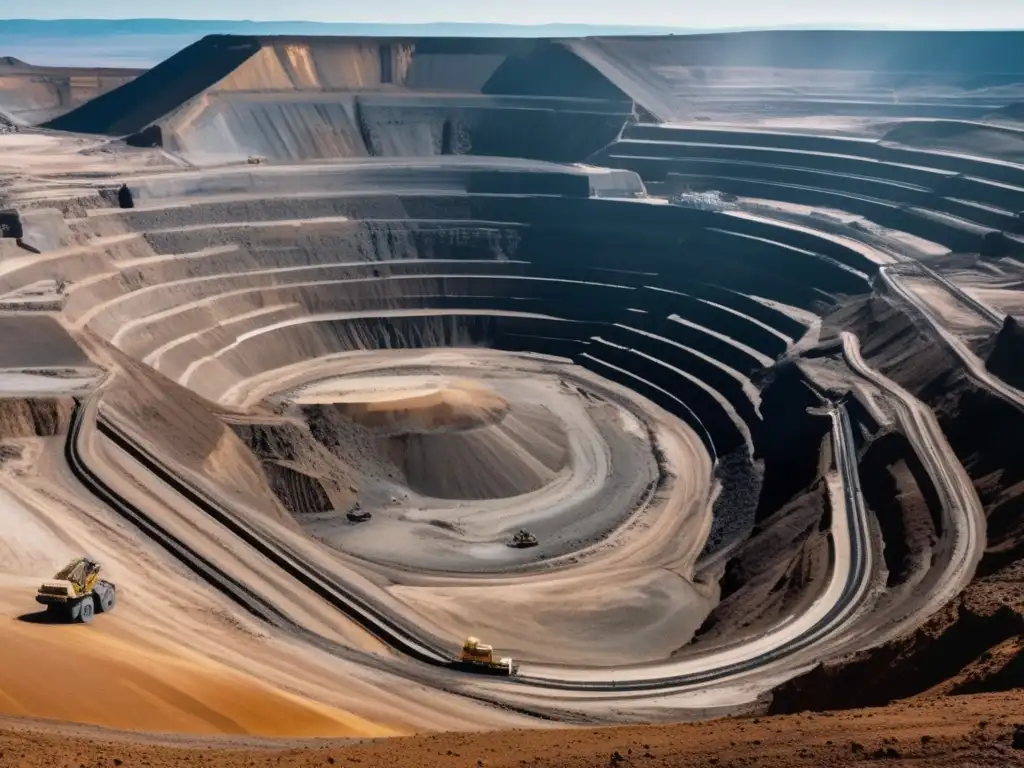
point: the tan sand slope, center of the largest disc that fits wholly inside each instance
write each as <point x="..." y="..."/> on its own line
<point x="455" y="438"/>
<point x="520" y="454"/>
<point x="100" y="675"/>
<point x="415" y="407"/>
<point x="33" y="94"/>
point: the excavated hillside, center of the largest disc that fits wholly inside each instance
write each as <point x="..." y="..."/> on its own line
<point x="31" y="94"/>
<point x="302" y="99"/>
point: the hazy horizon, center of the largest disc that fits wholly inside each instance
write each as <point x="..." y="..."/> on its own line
<point x="902" y="14"/>
<point x="142" y="42"/>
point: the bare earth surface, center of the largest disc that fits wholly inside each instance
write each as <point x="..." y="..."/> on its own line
<point x="728" y="324"/>
<point x="967" y="731"/>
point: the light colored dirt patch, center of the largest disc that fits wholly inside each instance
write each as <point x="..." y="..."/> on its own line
<point x="59" y="153"/>
<point x="522" y="453"/>
<point x="578" y="621"/>
<point x="957" y="316"/>
<point x="457" y="404"/>
<point x="1007" y="300"/>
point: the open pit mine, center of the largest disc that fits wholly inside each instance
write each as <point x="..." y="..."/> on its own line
<point x="685" y="373"/>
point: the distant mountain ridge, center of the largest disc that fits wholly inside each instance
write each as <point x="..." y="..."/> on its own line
<point x="143" y="43"/>
<point x="19" y="27"/>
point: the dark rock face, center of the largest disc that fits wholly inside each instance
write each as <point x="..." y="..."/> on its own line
<point x="899" y="491"/>
<point x="34" y="417"/>
<point x="149" y="137"/>
<point x="510" y="98"/>
<point x="938" y="651"/>
<point x="790" y="438"/>
<point x="10" y="224"/>
<point x="1018" y="737"/>
<point x="125" y="199"/>
<point x="1006" y="360"/>
<point x="143" y="101"/>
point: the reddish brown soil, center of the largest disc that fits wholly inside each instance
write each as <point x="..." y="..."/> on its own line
<point x="974" y="644"/>
<point x="954" y="731"/>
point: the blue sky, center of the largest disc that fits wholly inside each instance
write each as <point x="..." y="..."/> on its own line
<point x="925" y="14"/>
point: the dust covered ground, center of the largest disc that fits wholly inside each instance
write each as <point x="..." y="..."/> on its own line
<point x="960" y="731"/>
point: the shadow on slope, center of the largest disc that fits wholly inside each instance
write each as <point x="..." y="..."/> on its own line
<point x="299" y="99"/>
<point x="186" y="431"/>
<point x="961" y="137"/>
<point x="163" y="89"/>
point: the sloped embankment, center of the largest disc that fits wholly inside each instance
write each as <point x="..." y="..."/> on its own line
<point x="295" y="99"/>
<point x="1006" y="358"/>
<point x="34" y="416"/>
<point x="974" y="643"/>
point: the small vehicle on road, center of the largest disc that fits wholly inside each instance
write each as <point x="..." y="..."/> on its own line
<point x="523" y="539"/>
<point x="479" y="658"/>
<point x="357" y="514"/>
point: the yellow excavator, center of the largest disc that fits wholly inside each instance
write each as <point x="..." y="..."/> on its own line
<point x="77" y="593"/>
<point x="477" y="657"/>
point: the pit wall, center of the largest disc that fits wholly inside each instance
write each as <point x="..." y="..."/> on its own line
<point x="264" y="267"/>
<point x="968" y="204"/>
<point x="819" y="73"/>
<point x="298" y="99"/>
<point x="665" y="79"/>
<point x="559" y="275"/>
<point x="35" y="94"/>
<point x="34" y="417"/>
<point x="340" y="125"/>
<point x="454" y="175"/>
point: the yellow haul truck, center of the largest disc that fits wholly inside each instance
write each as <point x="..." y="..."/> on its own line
<point x="77" y="593"/>
<point x="477" y="657"/>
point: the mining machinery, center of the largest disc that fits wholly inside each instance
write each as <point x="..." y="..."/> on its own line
<point x="479" y="658"/>
<point x="77" y="593"/>
<point x="357" y="514"/>
<point x="523" y="539"/>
